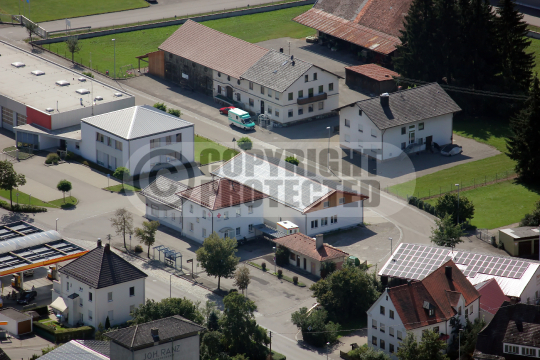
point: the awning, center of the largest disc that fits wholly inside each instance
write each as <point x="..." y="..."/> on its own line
<point x="272" y="233"/>
<point x="226" y="230"/>
<point x="59" y="304"/>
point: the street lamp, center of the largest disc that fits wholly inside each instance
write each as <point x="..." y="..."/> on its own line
<point x="328" y="151"/>
<point x="459" y="341"/>
<point x="114" y="42"/>
<point x="457" y="203"/>
<point x="327" y="349"/>
<point x="390" y="245"/>
<point x="56" y="224"/>
<point x="274" y="248"/>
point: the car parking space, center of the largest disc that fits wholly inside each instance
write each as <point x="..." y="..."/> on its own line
<point x="38" y="282"/>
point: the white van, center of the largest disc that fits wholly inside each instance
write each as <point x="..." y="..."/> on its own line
<point x="241" y="119"/>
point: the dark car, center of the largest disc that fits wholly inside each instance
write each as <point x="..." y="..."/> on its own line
<point x="27" y="297"/>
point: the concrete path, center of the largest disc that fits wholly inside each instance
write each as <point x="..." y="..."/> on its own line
<point x="43" y="192"/>
<point x="86" y="174"/>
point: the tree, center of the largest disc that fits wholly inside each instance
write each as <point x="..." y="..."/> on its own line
<point x="211" y="345"/>
<point x="9" y="179"/>
<point x="448" y="204"/>
<point x="428" y="349"/>
<point x="532" y="219"/>
<point x="446" y="233"/>
<point x="241" y="278"/>
<point x="365" y="352"/>
<point x="175" y="112"/>
<point x="155" y="310"/>
<point x="122" y="221"/>
<point x="161" y="106"/>
<point x="524" y="141"/>
<point x="213" y="321"/>
<point x="147" y="234"/>
<point x="315" y="329"/>
<point x="121" y="173"/>
<point x="469" y="335"/>
<point x="64" y="186"/>
<point x="517" y="64"/>
<point x="30" y="28"/>
<point x="217" y="257"/>
<point x="346" y="293"/>
<point x="293" y="160"/>
<point x="282" y="255"/>
<point x="73" y="46"/>
<point x="107" y="323"/>
<point x="241" y="334"/>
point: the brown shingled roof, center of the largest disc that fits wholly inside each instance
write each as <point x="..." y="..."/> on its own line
<point x="221" y="193"/>
<point x="373" y="71"/>
<point x="213" y="49"/>
<point x="440" y="291"/>
<point x="305" y="245"/>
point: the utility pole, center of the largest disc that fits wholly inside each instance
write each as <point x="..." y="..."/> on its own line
<point x="270" y="343"/>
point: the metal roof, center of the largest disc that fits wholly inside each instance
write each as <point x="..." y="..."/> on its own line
<point x="416" y="261"/>
<point x="41" y="92"/>
<point x="164" y="190"/>
<point x="276" y="71"/>
<point x="73" y="350"/>
<point x="136" y="122"/>
<point x="69" y="132"/>
<point x="374" y="72"/>
<point x="522" y="232"/>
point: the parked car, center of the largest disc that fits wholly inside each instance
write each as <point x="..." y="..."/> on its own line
<point x="225" y="110"/>
<point x="27" y="297"/>
<point x="241" y="119"/>
<point x="29" y="272"/>
<point x="451" y="149"/>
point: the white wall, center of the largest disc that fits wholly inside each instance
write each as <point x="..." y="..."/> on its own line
<point x="13" y="326"/>
<point x="361" y="141"/>
<point x="532" y="288"/>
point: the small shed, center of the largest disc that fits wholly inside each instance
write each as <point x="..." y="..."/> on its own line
<point x="372" y="78"/>
<point x="19" y="323"/>
<point x="521" y="241"/>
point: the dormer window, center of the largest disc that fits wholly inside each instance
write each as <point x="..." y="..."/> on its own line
<point x="431" y="312"/>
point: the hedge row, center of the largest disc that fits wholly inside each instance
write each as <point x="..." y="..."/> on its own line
<point x="24" y="208"/>
<point x="413" y="200"/>
<point x="65" y="335"/>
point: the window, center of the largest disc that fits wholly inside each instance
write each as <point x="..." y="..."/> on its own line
<point x="132" y="291"/>
<point x="290" y="96"/>
<point x="238" y="231"/>
<point x="90" y="297"/>
<point x="204" y="214"/>
<point x="90" y="317"/>
<point x="321" y="89"/>
<point x="314" y="224"/>
<point x="225" y="215"/>
<point x="270" y="110"/>
<point x="269" y="93"/>
<point x="326" y="204"/>
<point x="421" y="126"/>
<point x="374" y="340"/>
<point x="99" y="137"/>
<point x="391" y="331"/>
<point x="347" y="123"/>
<point x="374" y="324"/>
<point x="219" y="89"/>
<point x="310" y="92"/>
<point x="347" y="138"/>
<point x="80" y="302"/>
<point x="360" y="128"/>
<point x="333" y="219"/>
<point x="168" y="140"/>
<point x="436" y="329"/>
<point x="251" y="85"/>
<point x="109" y="141"/>
<point x="382" y="344"/>
<point x="67" y="285"/>
<point x="403" y="145"/>
<point x="306" y="78"/>
<point x="300" y="110"/>
<point x="238" y="211"/>
<point x="399" y="335"/>
<point x="528" y="351"/>
<point x="471" y="309"/>
<point x="118" y="145"/>
<point x="324" y="221"/>
<point x="310" y="108"/>
<point x="179" y="137"/>
<point x="228" y="77"/>
<point x="191" y="208"/>
<point x="382" y="310"/>
<point x="109" y="297"/>
<point x="277" y="95"/>
<point x="314" y="76"/>
<point x="251" y="102"/>
<point x="80" y="289"/>
<point x="382" y="327"/>
<point x="466" y="312"/>
<point x="191" y="227"/>
<point x="511" y="349"/>
<point x="341" y="201"/>
<point x="459" y="310"/>
<point x="431" y="312"/>
<point x="250" y="228"/>
<point x="300" y="93"/>
<point x="250" y="209"/>
<point x="173" y="216"/>
<point x="262" y="89"/>
<point x="391" y="348"/>
<point x="77" y="146"/>
<point x="204" y="233"/>
<point x="331" y="87"/>
<point x="238" y="97"/>
<point x="403" y="130"/>
<point x="374" y="133"/>
<point x="154" y="143"/>
<point x="110" y="314"/>
<point x="290" y="113"/>
<point x="131" y="309"/>
<point x="219" y="74"/>
<point x="321" y="105"/>
<point x="360" y="112"/>
<point x="391" y="314"/>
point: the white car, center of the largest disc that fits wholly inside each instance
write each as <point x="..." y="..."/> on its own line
<point x="451" y="149"/>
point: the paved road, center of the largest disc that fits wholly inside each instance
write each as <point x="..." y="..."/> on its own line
<point x="160" y="10"/>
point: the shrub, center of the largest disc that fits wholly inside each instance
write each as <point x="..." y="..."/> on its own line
<point x="52" y="158"/>
<point x="88" y="73"/>
<point x="233" y="291"/>
<point x="292" y="160"/>
<point x="263" y="265"/>
<point x="413" y="200"/>
<point x="280" y="273"/>
<point x="63" y="335"/>
<point x="245" y="143"/>
<point x="160" y="106"/>
<point x="69" y="156"/>
<point x="420" y="204"/>
<point x="86" y="163"/>
<point x="175" y="112"/>
<point x="295" y="280"/>
<point x="138" y="249"/>
<point x="23" y="208"/>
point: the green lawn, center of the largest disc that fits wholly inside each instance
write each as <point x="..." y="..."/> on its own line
<point x="207" y="151"/>
<point x="69" y="202"/>
<point x="252" y="28"/>
<point x="46" y="10"/>
<point x="23" y="198"/>
<point x="485" y="130"/>
<point x="118" y="188"/>
<point x="500" y="204"/>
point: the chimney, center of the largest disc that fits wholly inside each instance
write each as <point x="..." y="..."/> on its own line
<point x="292" y="63"/>
<point x="409" y="282"/>
<point x="385" y="99"/>
<point x="292" y="57"/>
<point x="448" y="272"/>
<point x="99" y="242"/>
<point x="319" y="241"/>
<point x="281" y="50"/>
<point x="107" y="248"/>
<point x="154" y="332"/>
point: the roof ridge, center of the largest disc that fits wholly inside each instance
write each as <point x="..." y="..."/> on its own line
<point x="132" y="122"/>
<point x="134" y="334"/>
<point x="100" y="266"/>
<point x="217" y="193"/>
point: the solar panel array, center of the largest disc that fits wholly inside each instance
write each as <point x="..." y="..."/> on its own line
<point x="17" y="229"/>
<point x="415" y="262"/>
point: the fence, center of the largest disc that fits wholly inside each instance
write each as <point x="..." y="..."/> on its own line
<point x="21" y="153"/>
<point x="483" y="234"/>
<point x="39" y="31"/>
<point x="423" y="193"/>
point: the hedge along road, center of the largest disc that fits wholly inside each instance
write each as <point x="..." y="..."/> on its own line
<point x="129" y="45"/>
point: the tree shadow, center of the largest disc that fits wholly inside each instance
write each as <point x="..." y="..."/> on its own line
<point x="481" y="127"/>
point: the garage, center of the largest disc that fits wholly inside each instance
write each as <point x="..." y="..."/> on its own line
<point x="19" y="323"/>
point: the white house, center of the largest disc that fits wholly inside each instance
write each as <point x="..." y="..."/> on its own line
<point x="138" y="138"/>
<point x="98" y="285"/>
<point x="429" y="304"/>
<point x="406" y="121"/>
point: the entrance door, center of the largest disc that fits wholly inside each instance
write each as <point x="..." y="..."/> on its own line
<point x="525" y="248"/>
<point x="305" y="264"/>
<point x="411" y="137"/>
<point x="229" y="92"/>
<point x="297" y="260"/>
<point x="429" y="140"/>
<point x="262" y="107"/>
<point x="63" y="145"/>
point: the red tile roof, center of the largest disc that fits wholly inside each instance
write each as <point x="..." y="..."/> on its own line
<point x="303" y="244"/>
<point x="492" y="296"/>
<point x="213" y="49"/>
<point x="441" y="292"/>
<point x="221" y="193"/>
<point x="386" y="16"/>
<point x="373" y="71"/>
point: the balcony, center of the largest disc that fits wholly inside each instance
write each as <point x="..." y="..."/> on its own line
<point x="311" y="99"/>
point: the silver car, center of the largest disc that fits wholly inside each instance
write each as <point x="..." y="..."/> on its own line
<point x="451" y="149"/>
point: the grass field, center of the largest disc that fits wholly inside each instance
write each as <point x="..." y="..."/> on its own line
<point x="500" y="204"/>
<point x="485" y="130"/>
<point x="119" y="189"/>
<point x="207" y="151"/>
<point x="128" y="45"/>
<point x="23" y="198"/>
<point x="69" y="202"/>
<point x="46" y="10"/>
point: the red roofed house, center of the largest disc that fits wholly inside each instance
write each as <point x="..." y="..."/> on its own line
<point x="372" y="78"/>
<point x="491" y="299"/>
<point x="308" y="253"/>
<point x="429" y="304"/>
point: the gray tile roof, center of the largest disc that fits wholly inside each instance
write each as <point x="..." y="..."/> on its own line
<point x="139" y="336"/>
<point x="164" y="190"/>
<point x="100" y="268"/>
<point x="102" y="347"/>
<point x="15" y="314"/>
<point x="136" y="122"/>
<point x="407" y="106"/>
<point x="73" y="350"/>
<point x="3" y="355"/>
<point x="276" y="71"/>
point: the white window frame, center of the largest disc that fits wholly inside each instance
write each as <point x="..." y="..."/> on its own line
<point x="250" y="209"/>
<point x="110" y="296"/>
<point x="204" y="233"/>
<point x="347" y="123"/>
